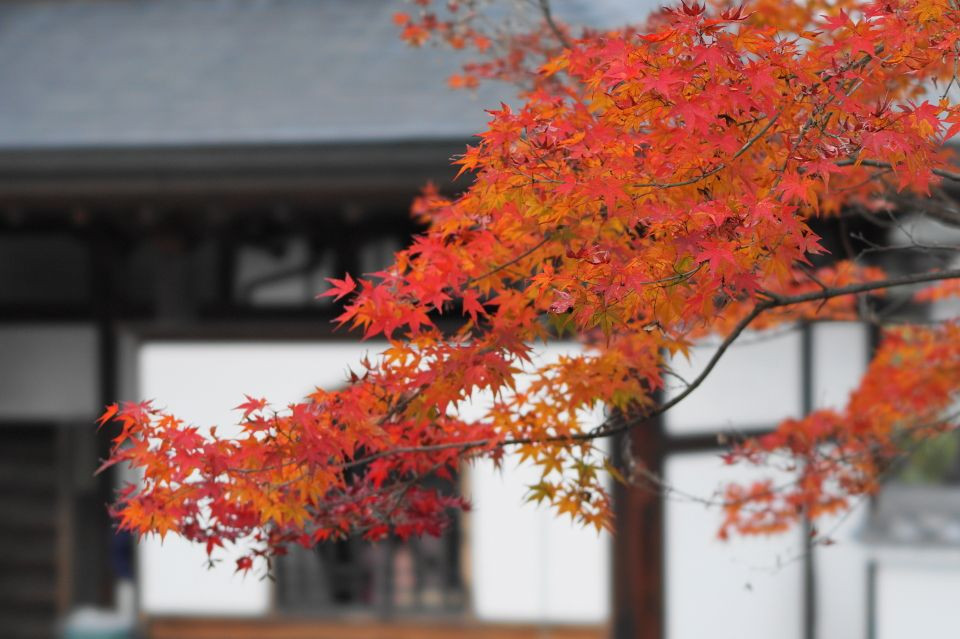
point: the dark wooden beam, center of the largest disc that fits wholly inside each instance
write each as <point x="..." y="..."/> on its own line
<point x="239" y="174"/>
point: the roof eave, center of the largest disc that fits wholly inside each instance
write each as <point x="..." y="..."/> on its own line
<point x="303" y="171"/>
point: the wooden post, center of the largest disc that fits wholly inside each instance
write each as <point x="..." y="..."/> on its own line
<point x="638" y="580"/>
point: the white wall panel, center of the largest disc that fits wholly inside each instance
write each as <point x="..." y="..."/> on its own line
<point x="528" y="564"/>
<point x="744" y="588"/>
<point x="918" y="599"/>
<point x="200" y="382"/>
<point x="840" y="573"/>
<point x="840" y="351"/>
<point x="755" y="385"/>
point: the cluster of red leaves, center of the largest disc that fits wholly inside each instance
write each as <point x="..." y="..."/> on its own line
<point x="310" y="474"/>
<point x="457" y="33"/>
<point x="506" y="54"/>
<point x="653" y="187"/>
<point x="837" y="456"/>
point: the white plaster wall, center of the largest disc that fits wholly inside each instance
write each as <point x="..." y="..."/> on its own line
<point x="840" y="352"/>
<point x="200" y="382"/>
<point x="755" y="384"/>
<point x="744" y="588"/>
<point x="527" y="563"/>
<point x="918" y="598"/>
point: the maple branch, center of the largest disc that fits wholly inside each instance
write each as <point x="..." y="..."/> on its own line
<point x="956" y="70"/>
<point x="546" y="238"/>
<point x="763" y="131"/>
<point x="617" y="426"/>
<point x="873" y="247"/>
<point x="819" y="109"/>
<point x="772" y="301"/>
<point x="366" y="459"/>
<point x="584" y="161"/>
<point x="554" y="27"/>
<point x="703" y="176"/>
<point x="948" y="175"/>
<point x="676" y="278"/>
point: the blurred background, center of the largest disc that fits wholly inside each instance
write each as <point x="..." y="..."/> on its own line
<point x="177" y="177"/>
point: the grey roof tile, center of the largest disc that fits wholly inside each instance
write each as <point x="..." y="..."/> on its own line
<point x="212" y="71"/>
<point x="155" y="72"/>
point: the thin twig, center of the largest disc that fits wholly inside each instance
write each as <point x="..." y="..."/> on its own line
<point x="947" y="175"/>
<point x="546" y="238"/>
<point x="743" y="149"/>
<point x="557" y="31"/>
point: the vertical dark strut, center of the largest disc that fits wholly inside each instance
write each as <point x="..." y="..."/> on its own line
<point x="638" y="577"/>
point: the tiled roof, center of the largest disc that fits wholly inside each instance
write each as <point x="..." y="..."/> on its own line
<point x="161" y="72"/>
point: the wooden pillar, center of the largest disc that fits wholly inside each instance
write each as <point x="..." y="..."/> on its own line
<point x="638" y="577"/>
<point x="97" y="559"/>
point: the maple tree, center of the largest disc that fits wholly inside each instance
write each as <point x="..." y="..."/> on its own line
<point x="655" y="185"/>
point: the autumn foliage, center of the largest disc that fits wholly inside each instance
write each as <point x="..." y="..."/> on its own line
<point x="653" y="185"/>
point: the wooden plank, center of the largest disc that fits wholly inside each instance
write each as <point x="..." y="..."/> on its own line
<point x="197" y="628"/>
